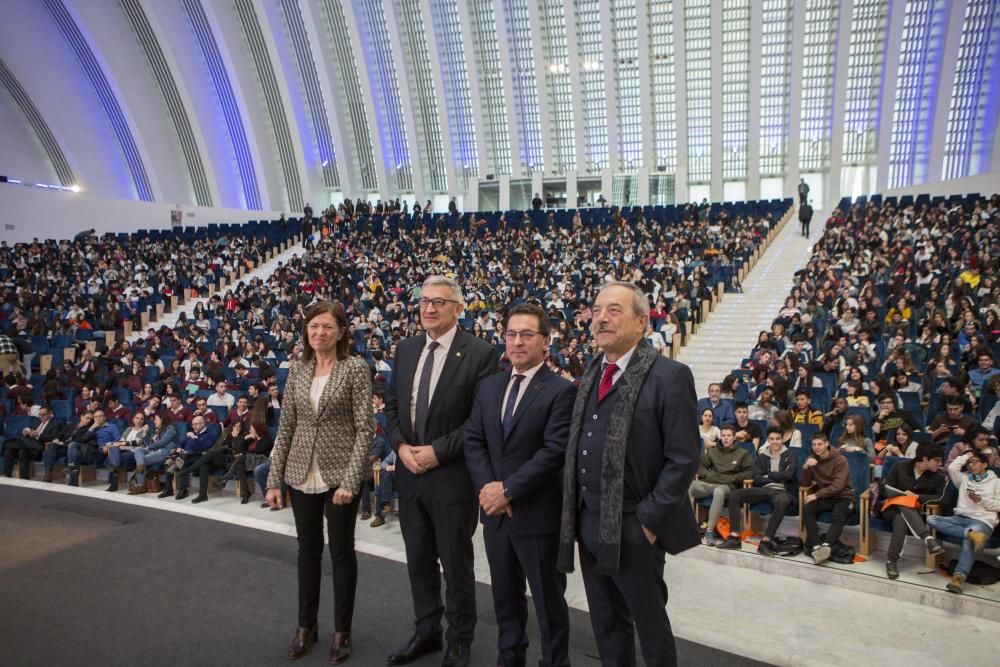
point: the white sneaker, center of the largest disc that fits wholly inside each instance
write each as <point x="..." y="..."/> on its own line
<point x="709" y="538"/>
<point x="820" y="553"/>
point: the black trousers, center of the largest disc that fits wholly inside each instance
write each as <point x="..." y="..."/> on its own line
<point x="780" y="501"/>
<point x="805" y="227"/>
<point x="904" y="520"/>
<point x="24" y="450"/>
<point x="204" y="465"/>
<point x="841" y="507"/>
<point x="309" y="509"/>
<point x="513" y="560"/>
<point x="633" y="600"/>
<point x="433" y="532"/>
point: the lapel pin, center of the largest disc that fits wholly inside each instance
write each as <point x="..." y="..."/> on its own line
<point x="458" y="354"/>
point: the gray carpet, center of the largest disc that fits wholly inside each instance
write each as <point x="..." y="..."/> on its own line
<point x="86" y="581"/>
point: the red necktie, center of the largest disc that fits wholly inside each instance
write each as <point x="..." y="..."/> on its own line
<point x="606" y="384"/>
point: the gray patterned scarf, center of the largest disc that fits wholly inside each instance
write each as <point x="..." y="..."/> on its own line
<point x="613" y="462"/>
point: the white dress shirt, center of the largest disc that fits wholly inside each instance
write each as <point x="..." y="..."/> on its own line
<point x="622" y="364"/>
<point x="440" y="356"/>
<point x="528" y="375"/>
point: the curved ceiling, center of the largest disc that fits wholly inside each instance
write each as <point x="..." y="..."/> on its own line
<point x="267" y="104"/>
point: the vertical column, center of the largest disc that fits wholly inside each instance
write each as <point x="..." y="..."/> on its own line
<point x="610" y="79"/>
<point x="574" y="76"/>
<point x="541" y="92"/>
<point x="831" y="192"/>
<point x="795" y="98"/>
<point x="456" y="182"/>
<point x="680" y="84"/>
<point x="418" y="153"/>
<point x="949" y="57"/>
<point x="504" y="193"/>
<point x="718" y="149"/>
<point x="753" y="121"/>
<point x="890" y="73"/>
<point x="465" y="21"/>
<point x="517" y="169"/>
<point x="645" y="97"/>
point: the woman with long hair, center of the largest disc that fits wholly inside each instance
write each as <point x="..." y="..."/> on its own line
<point x="853" y="439"/>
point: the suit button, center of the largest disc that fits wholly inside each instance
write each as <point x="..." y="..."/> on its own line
<point x="584" y="488"/>
<point x="583" y="471"/>
<point x="590" y="434"/>
<point x="585" y="452"/>
<point x="595" y="416"/>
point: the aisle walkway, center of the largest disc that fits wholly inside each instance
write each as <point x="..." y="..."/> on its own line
<point x="732" y="329"/>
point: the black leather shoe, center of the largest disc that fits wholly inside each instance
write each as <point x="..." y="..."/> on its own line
<point x="303" y="639"/>
<point x="167" y="491"/>
<point x="181" y="495"/>
<point x="199" y="499"/>
<point x="457" y="655"/>
<point x="415" y="648"/>
<point x="340" y="647"/>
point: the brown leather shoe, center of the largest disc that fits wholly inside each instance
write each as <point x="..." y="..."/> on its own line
<point x="379" y="520"/>
<point x="340" y="647"/>
<point x="304" y="638"/>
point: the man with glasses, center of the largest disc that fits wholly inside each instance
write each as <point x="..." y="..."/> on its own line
<point x="434" y="382"/>
<point x="31" y="443"/>
<point x="515" y="443"/>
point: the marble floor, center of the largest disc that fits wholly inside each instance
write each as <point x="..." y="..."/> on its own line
<point x="781" y="611"/>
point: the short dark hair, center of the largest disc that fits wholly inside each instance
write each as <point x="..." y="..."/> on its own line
<point x="886" y="397"/>
<point x="822" y="437"/>
<point x="533" y="310"/>
<point x="953" y="400"/>
<point x="740" y="404"/>
<point x="928" y="450"/>
<point x="984" y="353"/>
<point x="803" y="392"/>
<point x="728" y="427"/>
<point x="775" y="429"/>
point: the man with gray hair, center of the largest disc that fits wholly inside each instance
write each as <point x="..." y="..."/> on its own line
<point x="632" y="452"/>
<point x="433" y="386"/>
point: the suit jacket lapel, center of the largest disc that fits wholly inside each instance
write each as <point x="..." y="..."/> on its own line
<point x="455" y="356"/>
<point x="402" y="375"/>
<point x="337" y="375"/>
<point x="304" y="387"/>
<point x="530" y="394"/>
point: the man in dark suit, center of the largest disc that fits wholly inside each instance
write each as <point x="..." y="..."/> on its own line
<point x="805" y="217"/>
<point x="632" y="452"/>
<point x="31" y="443"/>
<point x="515" y="444"/>
<point x="433" y="385"/>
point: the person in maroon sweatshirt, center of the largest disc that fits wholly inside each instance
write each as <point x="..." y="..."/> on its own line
<point x="829" y="474"/>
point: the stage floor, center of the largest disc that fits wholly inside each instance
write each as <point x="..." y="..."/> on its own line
<point x="86" y="581"/>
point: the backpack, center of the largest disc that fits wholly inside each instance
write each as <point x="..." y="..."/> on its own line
<point x="842" y="553"/>
<point x="982" y="574"/>
<point x="788" y="546"/>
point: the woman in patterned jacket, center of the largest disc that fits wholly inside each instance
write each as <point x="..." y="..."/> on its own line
<point x="326" y="430"/>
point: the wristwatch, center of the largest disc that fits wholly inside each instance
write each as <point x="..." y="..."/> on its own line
<point x="506" y="494"/>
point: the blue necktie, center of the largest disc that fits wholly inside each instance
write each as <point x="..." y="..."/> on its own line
<point x="424" y="393"/>
<point x="508" y="411"/>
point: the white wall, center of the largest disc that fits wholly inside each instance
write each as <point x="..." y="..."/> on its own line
<point x="985" y="184"/>
<point x="28" y="212"/>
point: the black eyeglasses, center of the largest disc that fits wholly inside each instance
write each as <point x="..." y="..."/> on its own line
<point x="526" y="336"/>
<point x="437" y="303"/>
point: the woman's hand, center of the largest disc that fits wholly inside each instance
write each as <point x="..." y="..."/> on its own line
<point x="342" y="496"/>
<point x="275" y="498"/>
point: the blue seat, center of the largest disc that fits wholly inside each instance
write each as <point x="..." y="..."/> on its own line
<point x="220" y="411"/>
<point x="860" y="472"/>
<point x="62" y="410"/>
<point x="807" y="431"/>
<point x="765" y="509"/>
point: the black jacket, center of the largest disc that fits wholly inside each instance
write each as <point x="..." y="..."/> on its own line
<point x="928" y="488"/>
<point x="786" y="474"/>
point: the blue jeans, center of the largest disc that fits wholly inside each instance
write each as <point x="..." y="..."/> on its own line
<point x="52" y="454"/>
<point x="260" y="474"/>
<point x="119" y="458"/>
<point x="958" y="526"/>
<point x="149" y="457"/>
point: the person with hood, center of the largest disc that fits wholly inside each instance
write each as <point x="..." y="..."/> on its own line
<point x="827" y="471"/>
<point x="975" y="515"/>
<point x="773" y="482"/>
<point x="918" y="478"/>
<point x="722" y="471"/>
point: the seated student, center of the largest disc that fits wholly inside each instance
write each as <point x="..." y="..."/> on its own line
<point x="951" y="422"/>
<point x="198" y="441"/>
<point x="773" y="482"/>
<point x="904" y="445"/>
<point x="827" y="471"/>
<point x="764" y="407"/>
<point x="803" y="412"/>
<point x="790" y="435"/>
<point x="91" y="449"/>
<point x="889" y="416"/>
<point x="115" y="410"/>
<point x="707" y="430"/>
<point x="746" y="430"/>
<point x="247" y="453"/>
<point x="221" y="396"/>
<point x="836" y="416"/>
<point x="975" y="516"/>
<point x="723" y="469"/>
<point x="984" y="370"/>
<point x="856" y="395"/>
<point x="722" y="411"/>
<point x="31" y="443"/>
<point x="219" y="455"/>
<point x="853" y="439"/>
<point x="977" y="438"/>
<point x="178" y="411"/>
<point x="201" y="409"/>
<point x="240" y="412"/>
<point x="121" y="452"/>
<point x="383" y="453"/>
<point x="920" y="478"/>
<point x="59" y="446"/>
<point x="163" y="439"/>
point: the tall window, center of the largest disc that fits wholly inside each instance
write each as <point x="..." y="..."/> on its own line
<point x="917" y="77"/>
<point x="590" y="55"/>
<point x="864" y="74"/>
<point x="735" y="88"/>
<point x="421" y="90"/>
<point x="624" y="40"/>
<point x="698" y="45"/>
<point x="972" y="118"/>
<point x="491" y="90"/>
<point x="775" y="61"/>
<point x="455" y="74"/>
<point x="385" y="89"/>
<point x="662" y="75"/>
<point x="522" y="74"/>
<point x="557" y="85"/>
<point x="819" y="48"/>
